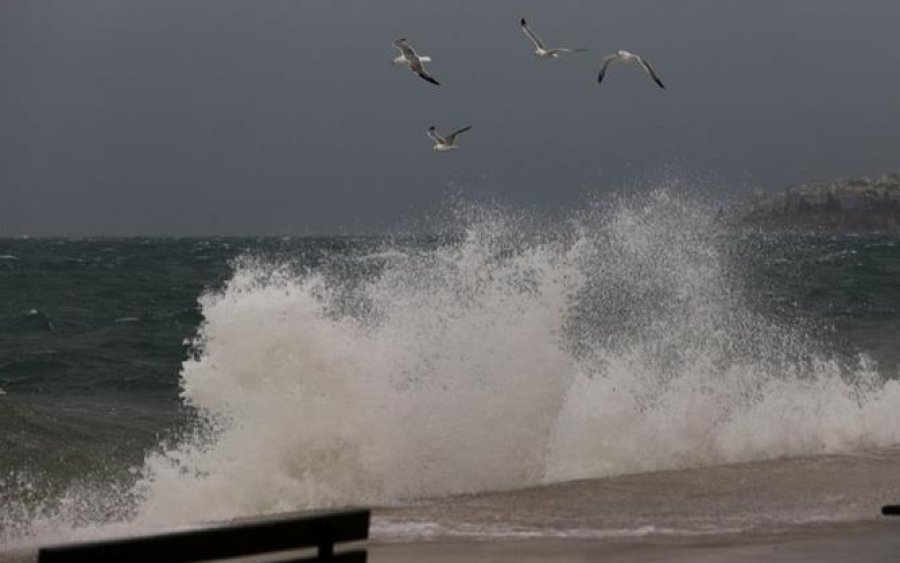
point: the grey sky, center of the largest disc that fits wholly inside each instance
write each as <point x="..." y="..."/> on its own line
<point x="285" y="116"/>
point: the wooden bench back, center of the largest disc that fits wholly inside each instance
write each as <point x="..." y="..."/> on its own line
<point x="247" y="537"/>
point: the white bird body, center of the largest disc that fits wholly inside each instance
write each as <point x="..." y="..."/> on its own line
<point x="401" y="60"/>
<point x="541" y="50"/>
<point x="629" y="58"/>
<point x="445" y="144"/>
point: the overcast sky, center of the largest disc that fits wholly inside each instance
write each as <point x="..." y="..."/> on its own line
<point x="193" y="117"/>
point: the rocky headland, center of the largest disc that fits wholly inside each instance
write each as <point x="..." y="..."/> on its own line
<point x="861" y="205"/>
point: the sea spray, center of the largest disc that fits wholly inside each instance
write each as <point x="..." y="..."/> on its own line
<point x="500" y="359"/>
<point x="446" y="377"/>
<point x="500" y="356"/>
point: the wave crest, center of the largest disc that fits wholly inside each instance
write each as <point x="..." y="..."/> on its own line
<point x="502" y="358"/>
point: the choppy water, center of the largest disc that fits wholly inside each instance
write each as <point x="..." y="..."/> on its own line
<point x="152" y="382"/>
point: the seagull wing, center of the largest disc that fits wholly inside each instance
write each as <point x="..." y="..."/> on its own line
<point x="436" y="136"/>
<point x="605" y="62"/>
<point x="417" y="67"/>
<point x="651" y="72"/>
<point x="534" y="38"/>
<point x="420" y="70"/>
<point x="452" y="136"/>
<point x="415" y="63"/>
<point x="407" y="51"/>
<point x="567" y="50"/>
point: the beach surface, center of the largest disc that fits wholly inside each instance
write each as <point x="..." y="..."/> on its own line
<point x="822" y="508"/>
<point x="873" y="541"/>
<point x="818" y="508"/>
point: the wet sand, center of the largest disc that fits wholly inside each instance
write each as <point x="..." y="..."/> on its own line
<point x="824" y="508"/>
<point x="877" y="541"/>
<point x="861" y="542"/>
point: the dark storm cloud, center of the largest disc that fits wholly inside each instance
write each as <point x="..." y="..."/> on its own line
<point x="224" y="116"/>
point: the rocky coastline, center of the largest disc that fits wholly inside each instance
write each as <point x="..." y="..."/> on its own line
<point x="860" y="205"/>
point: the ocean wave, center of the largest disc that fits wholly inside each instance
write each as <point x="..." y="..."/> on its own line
<point x="502" y="359"/>
<point x="29" y="368"/>
<point x="32" y="320"/>
<point x="621" y="342"/>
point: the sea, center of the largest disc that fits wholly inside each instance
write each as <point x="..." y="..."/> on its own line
<point x="637" y="368"/>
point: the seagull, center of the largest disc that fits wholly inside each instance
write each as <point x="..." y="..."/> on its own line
<point x="627" y="57"/>
<point x="414" y="61"/>
<point x="448" y="143"/>
<point x="540" y="50"/>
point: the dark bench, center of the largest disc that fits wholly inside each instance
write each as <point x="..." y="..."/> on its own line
<point x="318" y="530"/>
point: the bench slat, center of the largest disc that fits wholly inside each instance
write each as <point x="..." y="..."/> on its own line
<point x="232" y="539"/>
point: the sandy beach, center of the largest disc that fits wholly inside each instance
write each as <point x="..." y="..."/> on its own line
<point x="823" y="508"/>
<point x="874" y="541"/>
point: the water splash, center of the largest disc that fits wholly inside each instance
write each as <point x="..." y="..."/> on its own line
<point x="502" y="359"/>
<point x="507" y="356"/>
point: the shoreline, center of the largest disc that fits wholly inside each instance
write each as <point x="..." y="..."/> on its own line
<point x="876" y="540"/>
<point x="823" y="508"/>
<point x="868" y="541"/>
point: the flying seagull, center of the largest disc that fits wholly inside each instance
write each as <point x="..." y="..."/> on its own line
<point x="448" y="143"/>
<point x="626" y="57"/>
<point x="414" y="61"/>
<point x="542" y="51"/>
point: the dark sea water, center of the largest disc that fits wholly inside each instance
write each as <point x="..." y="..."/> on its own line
<point x="93" y="333"/>
<point x="153" y="381"/>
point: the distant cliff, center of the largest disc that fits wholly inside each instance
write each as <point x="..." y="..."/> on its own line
<point x="868" y="204"/>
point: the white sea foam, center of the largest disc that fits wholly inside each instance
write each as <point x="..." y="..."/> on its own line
<point x="500" y="361"/>
<point x="402" y="531"/>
